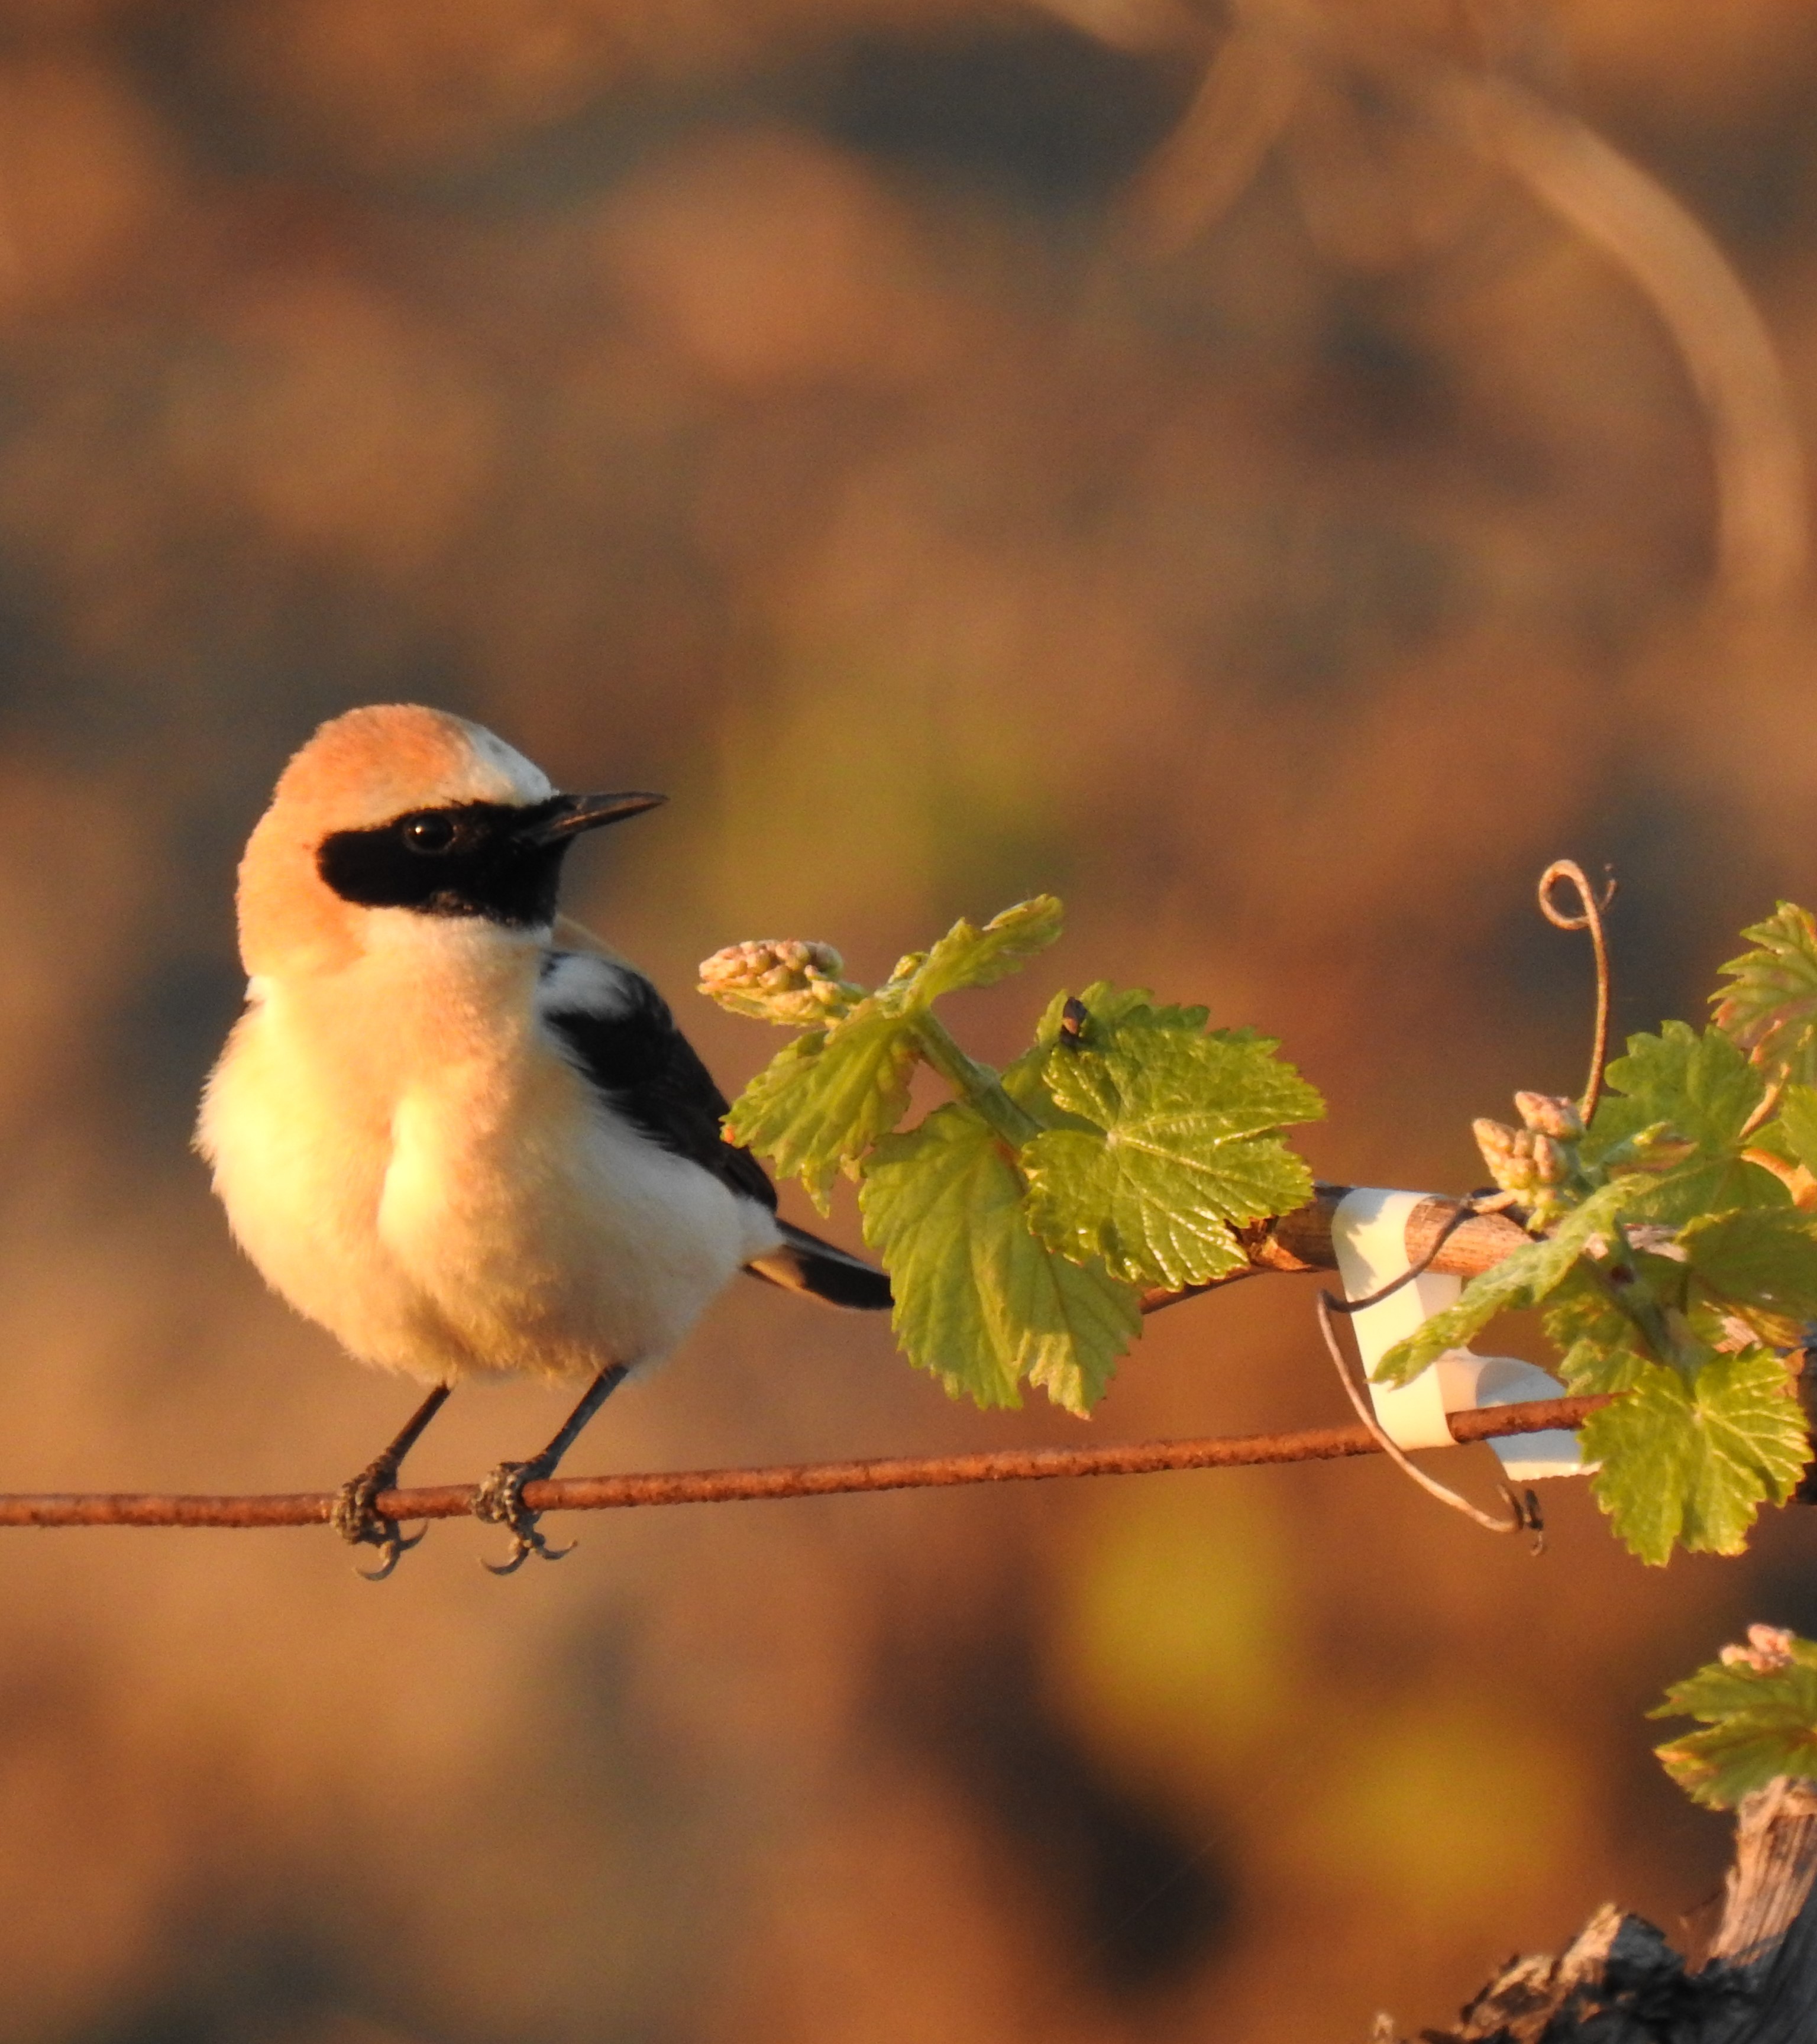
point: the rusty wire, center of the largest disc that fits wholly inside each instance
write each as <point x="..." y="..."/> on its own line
<point x="731" y="1486"/>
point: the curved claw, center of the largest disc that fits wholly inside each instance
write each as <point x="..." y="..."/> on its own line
<point x="392" y="1548"/>
<point x="523" y="1548"/>
<point x="500" y="1501"/>
<point x="360" y="1526"/>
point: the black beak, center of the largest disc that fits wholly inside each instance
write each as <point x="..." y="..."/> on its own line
<point x="575" y="813"/>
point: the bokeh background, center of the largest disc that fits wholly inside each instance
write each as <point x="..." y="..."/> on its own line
<point x="956" y="453"/>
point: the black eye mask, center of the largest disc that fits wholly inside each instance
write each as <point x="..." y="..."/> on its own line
<point x="471" y="858"/>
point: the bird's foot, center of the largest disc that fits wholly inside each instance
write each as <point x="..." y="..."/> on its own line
<point x="500" y="1502"/>
<point x="356" y="1519"/>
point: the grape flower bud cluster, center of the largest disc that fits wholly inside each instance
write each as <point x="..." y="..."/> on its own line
<point x="1537" y="1160"/>
<point x="1540" y="1164"/>
<point x="1768" y="1651"/>
<point x="783" y="980"/>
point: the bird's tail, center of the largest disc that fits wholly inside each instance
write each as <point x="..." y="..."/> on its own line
<point x="804" y="1263"/>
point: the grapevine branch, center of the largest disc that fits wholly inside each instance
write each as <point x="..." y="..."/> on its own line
<point x="1437" y="1238"/>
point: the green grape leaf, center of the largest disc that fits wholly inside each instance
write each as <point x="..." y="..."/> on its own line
<point x="824" y="1099"/>
<point x="1531" y="1273"/>
<point x="979" y="1302"/>
<point x="1692" y="1463"/>
<point x="1108" y="1010"/>
<point x="968" y="956"/>
<point x="1180" y="1146"/>
<point x="1762" y="1262"/>
<point x="1758" y="1707"/>
<point x="1704" y="1086"/>
<point x="1797" y="1125"/>
<point x="822" y="1103"/>
<point x="1770" y="1007"/>
<point x="1600" y="1347"/>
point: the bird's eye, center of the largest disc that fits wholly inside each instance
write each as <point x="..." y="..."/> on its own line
<point x="430" y="833"/>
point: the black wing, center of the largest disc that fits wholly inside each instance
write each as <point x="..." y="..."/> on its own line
<point x="653" y="1076"/>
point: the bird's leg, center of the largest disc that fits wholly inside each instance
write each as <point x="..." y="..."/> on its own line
<point x="354" y="1518"/>
<point x="501" y="1499"/>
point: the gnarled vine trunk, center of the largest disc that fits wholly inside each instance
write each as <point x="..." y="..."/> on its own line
<point x="1621" y="1983"/>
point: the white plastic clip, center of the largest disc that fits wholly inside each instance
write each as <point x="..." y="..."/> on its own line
<point x="1368" y="1232"/>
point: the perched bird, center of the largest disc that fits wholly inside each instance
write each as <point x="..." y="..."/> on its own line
<point x="454" y="1128"/>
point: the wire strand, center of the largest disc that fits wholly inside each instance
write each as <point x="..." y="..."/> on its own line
<point x="730" y="1486"/>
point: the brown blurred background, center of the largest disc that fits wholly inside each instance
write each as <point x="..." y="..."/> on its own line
<point x="860" y="419"/>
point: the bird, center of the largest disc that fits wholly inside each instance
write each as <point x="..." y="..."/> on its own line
<point x="453" y="1126"/>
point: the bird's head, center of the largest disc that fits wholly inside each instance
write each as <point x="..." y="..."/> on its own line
<point x="398" y="808"/>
